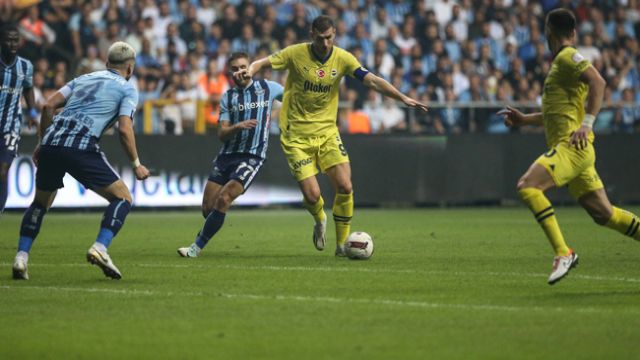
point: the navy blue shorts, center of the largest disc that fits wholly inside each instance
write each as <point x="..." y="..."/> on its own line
<point x="8" y="147"/>
<point x="240" y="167"/>
<point x="90" y="168"/>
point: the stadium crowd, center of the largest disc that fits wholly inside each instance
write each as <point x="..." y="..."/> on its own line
<point x="450" y="54"/>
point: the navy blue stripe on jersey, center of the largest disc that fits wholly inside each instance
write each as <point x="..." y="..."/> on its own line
<point x="247" y="137"/>
<point x="77" y="142"/>
<point x="9" y="84"/>
<point x="16" y="110"/>
<point x="239" y="116"/>
<point x="225" y="147"/>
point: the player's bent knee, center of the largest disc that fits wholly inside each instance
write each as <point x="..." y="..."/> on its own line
<point x="223" y="202"/>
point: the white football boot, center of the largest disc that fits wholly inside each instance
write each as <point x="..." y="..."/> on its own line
<point x="189" y="252"/>
<point x="20" y="268"/>
<point x="561" y="267"/>
<point x="320" y="235"/>
<point x="103" y="261"/>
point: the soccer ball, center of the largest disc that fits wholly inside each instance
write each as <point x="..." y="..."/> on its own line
<point x="359" y="245"/>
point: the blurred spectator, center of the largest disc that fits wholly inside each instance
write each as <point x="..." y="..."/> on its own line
<point x="90" y="63"/>
<point x="36" y="34"/>
<point x="213" y="84"/>
<point x="385" y="115"/>
<point x="628" y="114"/>
<point x="464" y="51"/>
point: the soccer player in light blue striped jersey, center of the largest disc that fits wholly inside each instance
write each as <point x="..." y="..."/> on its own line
<point x="16" y="79"/>
<point x="69" y="144"/>
<point x="245" y="112"/>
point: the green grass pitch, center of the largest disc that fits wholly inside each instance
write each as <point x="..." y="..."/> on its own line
<point x="442" y="284"/>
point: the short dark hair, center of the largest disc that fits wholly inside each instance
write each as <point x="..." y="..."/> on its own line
<point x="7" y="28"/>
<point x="322" y="23"/>
<point x="237" y="55"/>
<point x="561" y="22"/>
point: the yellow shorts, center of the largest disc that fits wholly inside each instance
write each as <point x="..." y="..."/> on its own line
<point x="575" y="168"/>
<point x="305" y="154"/>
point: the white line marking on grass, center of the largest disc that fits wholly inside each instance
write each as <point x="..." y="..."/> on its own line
<point x="351" y="269"/>
<point x="332" y="300"/>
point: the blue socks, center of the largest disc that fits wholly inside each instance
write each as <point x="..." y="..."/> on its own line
<point x="212" y="224"/>
<point x="112" y="221"/>
<point x="31" y="222"/>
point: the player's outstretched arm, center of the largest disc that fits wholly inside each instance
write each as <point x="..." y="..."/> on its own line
<point x="226" y="131"/>
<point x="128" y="142"/>
<point x="513" y="117"/>
<point x="254" y="68"/>
<point x="383" y="87"/>
<point x="596" y="83"/>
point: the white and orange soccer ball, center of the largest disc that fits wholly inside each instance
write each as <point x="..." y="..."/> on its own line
<point x="359" y="246"/>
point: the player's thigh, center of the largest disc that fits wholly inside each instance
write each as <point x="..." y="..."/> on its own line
<point x="332" y="152"/>
<point x="93" y="171"/>
<point x="231" y="191"/>
<point x="536" y="176"/>
<point x="302" y="157"/>
<point x="586" y="182"/>
<point x="564" y="162"/>
<point x="115" y="191"/>
<point x="340" y="176"/>
<point x="51" y="169"/>
<point x="244" y="170"/>
<point x="4" y="170"/>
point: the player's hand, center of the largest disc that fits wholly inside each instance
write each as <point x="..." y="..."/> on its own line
<point x="247" y="124"/>
<point x="242" y="74"/>
<point x="511" y="116"/>
<point x="415" y="104"/>
<point x="580" y="138"/>
<point x="36" y="155"/>
<point x="141" y="172"/>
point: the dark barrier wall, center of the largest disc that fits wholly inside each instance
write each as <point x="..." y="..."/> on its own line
<point x="408" y="170"/>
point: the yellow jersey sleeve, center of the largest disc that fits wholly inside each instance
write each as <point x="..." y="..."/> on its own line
<point x="280" y="60"/>
<point x="350" y="63"/>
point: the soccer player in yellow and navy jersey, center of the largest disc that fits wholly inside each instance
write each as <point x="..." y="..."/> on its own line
<point x="570" y="160"/>
<point x="309" y="134"/>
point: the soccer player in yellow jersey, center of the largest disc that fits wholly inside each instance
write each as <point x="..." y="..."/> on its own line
<point x="570" y="159"/>
<point x="309" y="134"/>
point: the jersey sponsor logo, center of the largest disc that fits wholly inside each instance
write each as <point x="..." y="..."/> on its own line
<point x="320" y="73"/>
<point x="300" y="163"/>
<point x="319" y="88"/>
<point x="250" y="105"/>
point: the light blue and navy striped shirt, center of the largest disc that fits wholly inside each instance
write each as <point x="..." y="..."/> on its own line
<point x="251" y="103"/>
<point x="15" y="77"/>
<point x="94" y="103"/>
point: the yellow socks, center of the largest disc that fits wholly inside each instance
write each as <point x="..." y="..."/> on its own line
<point x="316" y="210"/>
<point x="625" y="223"/>
<point x="342" y="213"/>
<point x="543" y="212"/>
